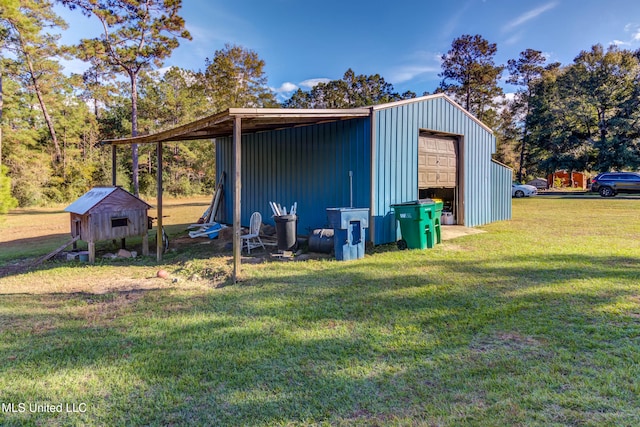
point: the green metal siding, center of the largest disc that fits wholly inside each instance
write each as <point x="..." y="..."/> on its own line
<point x="395" y="165"/>
<point x="309" y="165"/>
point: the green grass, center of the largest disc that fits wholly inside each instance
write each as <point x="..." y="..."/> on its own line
<point x="536" y="322"/>
<point x="31" y="233"/>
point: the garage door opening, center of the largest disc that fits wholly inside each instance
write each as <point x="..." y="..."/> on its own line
<point x="438" y="172"/>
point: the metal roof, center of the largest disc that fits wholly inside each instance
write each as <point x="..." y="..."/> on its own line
<point x="253" y="120"/>
<point x="434" y="96"/>
<point x="92" y="197"/>
<point x="266" y="119"/>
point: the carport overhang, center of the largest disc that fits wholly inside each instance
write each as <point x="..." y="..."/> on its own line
<point x="231" y="123"/>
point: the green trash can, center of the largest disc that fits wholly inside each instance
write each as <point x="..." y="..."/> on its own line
<point x="419" y="223"/>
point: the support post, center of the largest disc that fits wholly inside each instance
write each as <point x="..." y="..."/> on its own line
<point x="237" y="186"/>
<point x="92" y="251"/>
<point x="159" y="246"/>
<point x="113" y="164"/>
<point x="145" y="244"/>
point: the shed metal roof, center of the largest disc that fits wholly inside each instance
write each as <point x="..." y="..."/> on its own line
<point x="266" y="119"/>
<point x="253" y="120"/>
<point x="92" y="198"/>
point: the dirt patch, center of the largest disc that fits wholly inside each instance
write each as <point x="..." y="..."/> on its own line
<point x="454" y="231"/>
<point x="505" y="341"/>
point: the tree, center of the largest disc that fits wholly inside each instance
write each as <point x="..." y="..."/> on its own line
<point x="23" y="26"/>
<point x="351" y="91"/>
<point x="23" y="149"/>
<point x="3" y="36"/>
<point x="470" y="75"/>
<point x="524" y="72"/>
<point x="167" y="101"/>
<point x="136" y="34"/>
<point x="235" y="78"/>
<point x="1" y="106"/>
<point x="174" y="98"/>
<point x="586" y="116"/>
<point x="97" y="85"/>
<point x="604" y="85"/>
<point x="507" y="133"/>
<point x="7" y="201"/>
<point x="556" y="132"/>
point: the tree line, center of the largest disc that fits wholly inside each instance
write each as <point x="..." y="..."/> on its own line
<point x="581" y="116"/>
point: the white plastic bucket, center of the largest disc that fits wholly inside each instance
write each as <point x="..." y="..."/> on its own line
<point x="447" y="218"/>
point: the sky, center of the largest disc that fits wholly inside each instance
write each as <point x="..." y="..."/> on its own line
<point x="306" y="41"/>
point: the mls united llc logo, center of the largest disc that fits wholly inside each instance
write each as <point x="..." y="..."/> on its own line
<point x="18" y="408"/>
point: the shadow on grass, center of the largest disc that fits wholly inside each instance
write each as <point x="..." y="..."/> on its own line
<point x="446" y="342"/>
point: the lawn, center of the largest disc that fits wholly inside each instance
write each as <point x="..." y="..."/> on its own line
<point x="535" y="322"/>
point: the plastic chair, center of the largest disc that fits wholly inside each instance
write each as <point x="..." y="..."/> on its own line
<point x="252" y="239"/>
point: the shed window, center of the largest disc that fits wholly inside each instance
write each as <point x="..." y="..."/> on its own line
<point x="119" y="221"/>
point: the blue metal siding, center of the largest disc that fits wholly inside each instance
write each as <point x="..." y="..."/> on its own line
<point x="501" y="178"/>
<point x="309" y="165"/>
<point x="396" y="160"/>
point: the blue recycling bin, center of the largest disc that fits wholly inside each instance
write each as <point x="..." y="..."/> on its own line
<point x="349" y="226"/>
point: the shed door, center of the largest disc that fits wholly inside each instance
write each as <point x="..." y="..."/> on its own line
<point x="437" y="162"/>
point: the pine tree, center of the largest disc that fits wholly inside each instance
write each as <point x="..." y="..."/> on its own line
<point x="137" y="34"/>
<point x="235" y="77"/>
<point x="22" y="25"/>
<point x="470" y="75"/>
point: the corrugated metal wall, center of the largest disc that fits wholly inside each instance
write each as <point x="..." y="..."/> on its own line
<point x="501" y="178"/>
<point x="309" y="165"/>
<point x="396" y="140"/>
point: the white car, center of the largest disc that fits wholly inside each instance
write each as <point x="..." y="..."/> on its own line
<point x="523" y="190"/>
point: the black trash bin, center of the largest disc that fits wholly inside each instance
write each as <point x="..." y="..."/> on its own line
<point x="287" y="232"/>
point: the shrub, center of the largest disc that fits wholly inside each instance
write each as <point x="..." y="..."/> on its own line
<point x="7" y="201"/>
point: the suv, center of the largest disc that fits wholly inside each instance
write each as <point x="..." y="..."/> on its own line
<point x="609" y="184"/>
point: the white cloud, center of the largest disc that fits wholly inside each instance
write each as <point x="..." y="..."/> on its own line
<point x="509" y="96"/>
<point x="417" y="63"/>
<point x="451" y="26"/>
<point x="619" y="43"/>
<point x="424" y="56"/>
<point x="634" y="35"/>
<point x="409" y="72"/>
<point x="286" y="87"/>
<point x="528" y="16"/>
<point x="310" y="83"/>
<point x="514" y="39"/>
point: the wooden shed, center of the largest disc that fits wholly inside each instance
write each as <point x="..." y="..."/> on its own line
<point x="568" y="179"/>
<point x="109" y="213"/>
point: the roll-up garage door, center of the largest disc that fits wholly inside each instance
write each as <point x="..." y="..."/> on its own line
<point x="437" y="162"/>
